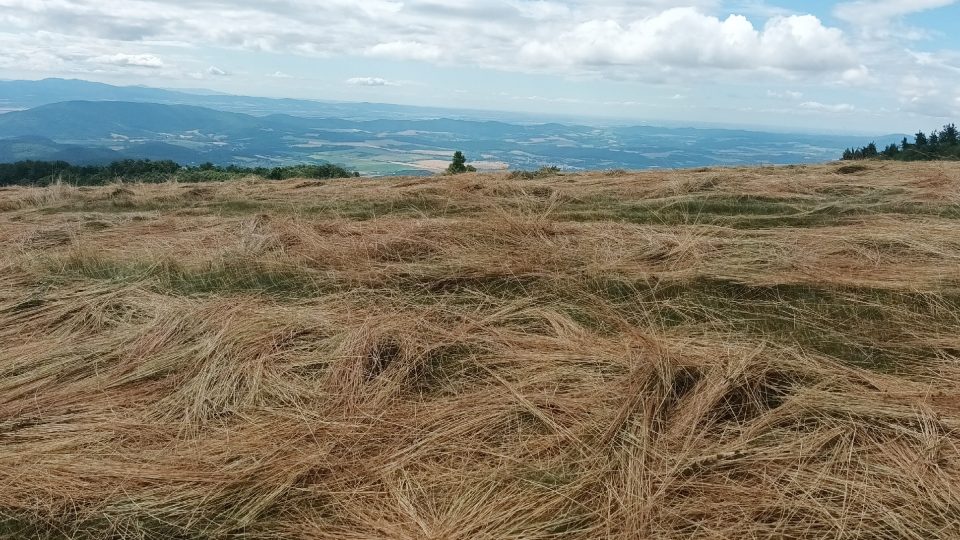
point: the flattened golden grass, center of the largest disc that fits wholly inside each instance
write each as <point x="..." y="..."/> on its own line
<point x="729" y="353"/>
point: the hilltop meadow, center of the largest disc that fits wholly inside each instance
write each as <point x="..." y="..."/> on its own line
<point x="707" y="353"/>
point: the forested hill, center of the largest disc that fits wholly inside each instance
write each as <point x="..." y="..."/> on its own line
<point x="939" y="145"/>
<point x="41" y="173"/>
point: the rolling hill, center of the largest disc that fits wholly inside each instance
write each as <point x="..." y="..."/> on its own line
<point x="39" y="148"/>
<point x="29" y="94"/>
<point x="92" y="120"/>
<point x="194" y="134"/>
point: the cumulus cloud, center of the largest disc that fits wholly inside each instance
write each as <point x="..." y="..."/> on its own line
<point x="214" y="71"/>
<point x="608" y="38"/>
<point x="686" y="37"/>
<point x="370" y="81"/>
<point x="856" y="76"/>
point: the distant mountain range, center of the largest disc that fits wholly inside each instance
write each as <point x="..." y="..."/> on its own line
<point x="84" y="122"/>
<point x="29" y="94"/>
<point x="43" y="149"/>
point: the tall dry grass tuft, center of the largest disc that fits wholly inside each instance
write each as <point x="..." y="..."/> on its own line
<point x="762" y="353"/>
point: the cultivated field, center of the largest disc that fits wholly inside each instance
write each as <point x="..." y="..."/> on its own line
<point x="726" y="353"/>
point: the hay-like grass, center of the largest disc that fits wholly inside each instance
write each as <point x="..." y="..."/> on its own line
<point x="735" y="353"/>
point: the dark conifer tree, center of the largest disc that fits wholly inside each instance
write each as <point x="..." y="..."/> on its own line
<point x="949" y="136"/>
<point x="459" y="164"/>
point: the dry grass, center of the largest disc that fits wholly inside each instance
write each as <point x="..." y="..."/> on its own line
<point x="735" y="353"/>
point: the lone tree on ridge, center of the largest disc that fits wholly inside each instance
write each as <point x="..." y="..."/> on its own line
<point x="459" y="164"/>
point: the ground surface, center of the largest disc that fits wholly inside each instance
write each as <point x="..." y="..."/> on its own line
<point x="764" y="353"/>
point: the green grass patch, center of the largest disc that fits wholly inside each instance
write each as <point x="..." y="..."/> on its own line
<point x="17" y="524"/>
<point x="542" y="172"/>
<point x="495" y="285"/>
<point x="33" y="302"/>
<point x="852" y="169"/>
<point x="746" y="212"/>
<point x="242" y="278"/>
<point x="447" y="370"/>
<point x="858" y="326"/>
<point x="101" y="269"/>
<point x="243" y="207"/>
<point x="211" y="279"/>
<point x="364" y="209"/>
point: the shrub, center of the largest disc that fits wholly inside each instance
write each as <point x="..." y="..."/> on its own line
<point x="542" y="172"/>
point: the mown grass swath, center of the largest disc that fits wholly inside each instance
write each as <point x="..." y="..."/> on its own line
<point x="720" y="353"/>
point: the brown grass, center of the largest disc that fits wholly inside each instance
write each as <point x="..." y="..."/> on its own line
<point x="735" y="353"/>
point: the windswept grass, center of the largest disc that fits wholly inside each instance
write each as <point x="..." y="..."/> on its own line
<point x="735" y="353"/>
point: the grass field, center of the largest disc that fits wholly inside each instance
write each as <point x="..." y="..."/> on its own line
<point x="717" y="353"/>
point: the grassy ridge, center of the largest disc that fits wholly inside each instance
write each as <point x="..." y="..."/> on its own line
<point x="766" y="352"/>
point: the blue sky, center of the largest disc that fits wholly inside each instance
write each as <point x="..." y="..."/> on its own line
<point x="868" y="66"/>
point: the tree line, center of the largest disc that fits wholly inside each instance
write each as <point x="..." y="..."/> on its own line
<point x="40" y="173"/>
<point x="939" y="145"/>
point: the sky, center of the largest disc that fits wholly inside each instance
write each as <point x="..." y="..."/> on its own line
<point x="864" y="66"/>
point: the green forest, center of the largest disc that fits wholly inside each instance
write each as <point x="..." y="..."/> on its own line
<point x="41" y="173"/>
<point x="938" y="145"/>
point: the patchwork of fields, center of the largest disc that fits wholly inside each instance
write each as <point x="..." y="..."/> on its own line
<point x="710" y="353"/>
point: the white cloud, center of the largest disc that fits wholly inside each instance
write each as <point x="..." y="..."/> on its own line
<point x="877" y="12"/>
<point x="370" y="81"/>
<point x="947" y="61"/>
<point x="406" y="50"/>
<point x="823" y="107"/>
<point x="134" y="60"/>
<point x="803" y="43"/>
<point x="646" y="39"/>
<point x="791" y="43"/>
<point x="544" y="99"/>
<point x="856" y="76"/>
<point x="214" y="71"/>
<point x="788" y="94"/>
<point x="927" y="96"/>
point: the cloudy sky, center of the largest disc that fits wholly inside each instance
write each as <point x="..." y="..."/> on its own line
<point x="859" y="65"/>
